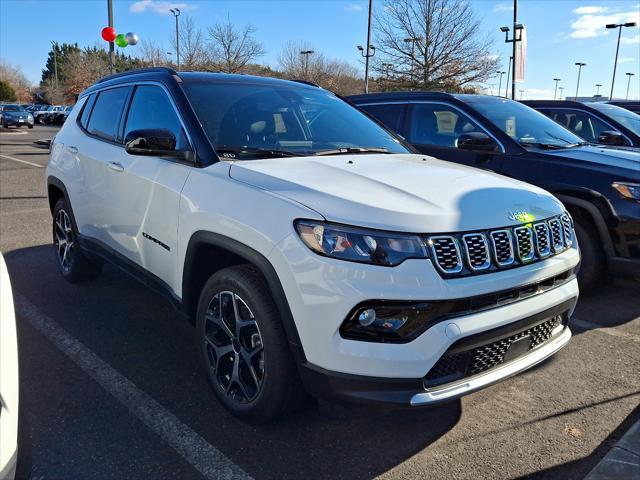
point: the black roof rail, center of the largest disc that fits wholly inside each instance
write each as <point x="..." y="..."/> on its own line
<point x="306" y="82"/>
<point x="136" y="71"/>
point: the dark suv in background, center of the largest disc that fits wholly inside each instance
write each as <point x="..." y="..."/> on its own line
<point x="594" y="122"/>
<point x="600" y="187"/>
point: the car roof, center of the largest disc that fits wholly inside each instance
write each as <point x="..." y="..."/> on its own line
<point x="168" y="74"/>
<point x="555" y="103"/>
<point x="416" y="96"/>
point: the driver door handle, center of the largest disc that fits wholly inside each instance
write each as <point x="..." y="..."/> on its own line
<point x="116" y="166"/>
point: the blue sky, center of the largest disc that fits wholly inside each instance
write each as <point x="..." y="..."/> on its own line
<point x="560" y="33"/>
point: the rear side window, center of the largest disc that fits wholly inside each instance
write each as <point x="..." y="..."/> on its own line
<point x="86" y="111"/>
<point x="106" y="113"/>
<point x="390" y="115"/>
<point x="152" y="109"/>
<point x="579" y="122"/>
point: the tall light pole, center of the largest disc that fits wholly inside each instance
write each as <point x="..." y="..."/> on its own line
<point x="619" y="26"/>
<point x="306" y="54"/>
<point x="561" y="89"/>
<point x="112" y="49"/>
<point x="629" y="74"/>
<point x="517" y="37"/>
<point x="176" y="14"/>
<point x="371" y="51"/>
<point x="506" y="87"/>
<point x="580" y="65"/>
<point x="54" y="48"/>
<point x="500" y="82"/>
<point x="521" y="92"/>
<point x="413" y="41"/>
<point x="598" y="85"/>
<point x="556" y="89"/>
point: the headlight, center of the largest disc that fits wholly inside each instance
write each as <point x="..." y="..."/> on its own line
<point x="30" y="117"/>
<point x="360" y="245"/>
<point x="628" y="190"/>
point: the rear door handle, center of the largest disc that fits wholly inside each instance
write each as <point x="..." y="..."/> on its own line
<point x="72" y="149"/>
<point x="116" y="166"/>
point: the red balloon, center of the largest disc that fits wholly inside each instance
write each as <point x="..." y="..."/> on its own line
<point x="109" y="34"/>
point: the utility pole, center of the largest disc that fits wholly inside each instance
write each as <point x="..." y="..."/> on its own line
<point x="368" y="54"/>
<point x="500" y="82"/>
<point x="521" y="92"/>
<point x="515" y="28"/>
<point x="306" y="54"/>
<point x="629" y="74"/>
<point x="112" y="49"/>
<point x="54" y="46"/>
<point x="556" y="89"/>
<point x="176" y="14"/>
<point x="619" y="26"/>
<point x="506" y="87"/>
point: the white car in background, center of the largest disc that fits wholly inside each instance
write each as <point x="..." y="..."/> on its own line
<point x="8" y="378"/>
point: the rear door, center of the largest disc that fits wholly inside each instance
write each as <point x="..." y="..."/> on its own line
<point x="434" y="128"/>
<point x="146" y="190"/>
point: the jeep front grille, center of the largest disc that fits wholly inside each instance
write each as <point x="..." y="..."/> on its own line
<point x="472" y="253"/>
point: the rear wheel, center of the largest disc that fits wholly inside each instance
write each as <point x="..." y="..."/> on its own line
<point x="243" y="348"/>
<point x="593" y="263"/>
<point x="72" y="262"/>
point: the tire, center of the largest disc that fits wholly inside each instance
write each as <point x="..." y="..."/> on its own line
<point x="73" y="264"/>
<point x="593" y="263"/>
<point x="270" y="387"/>
<point x="30" y="126"/>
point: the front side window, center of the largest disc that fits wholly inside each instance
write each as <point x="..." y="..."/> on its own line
<point x="581" y="123"/>
<point x="252" y="119"/>
<point x="523" y="124"/>
<point x="152" y="109"/>
<point x="390" y="115"/>
<point x="105" y="116"/>
<point x="621" y="115"/>
<point x="439" y="124"/>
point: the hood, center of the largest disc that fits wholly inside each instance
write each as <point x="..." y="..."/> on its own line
<point x="410" y="193"/>
<point x="611" y="157"/>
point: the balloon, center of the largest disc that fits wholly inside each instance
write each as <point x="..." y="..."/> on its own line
<point x="108" y="34"/>
<point x="121" y="40"/>
<point x="132" y="38"/>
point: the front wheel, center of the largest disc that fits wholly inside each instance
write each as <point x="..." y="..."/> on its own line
<point x="243" y="348"/>
<point x="593" y="263"/>
<point x="72" y="262"/>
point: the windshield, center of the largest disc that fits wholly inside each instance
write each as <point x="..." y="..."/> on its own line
<point x="621" y="115"/>
<point x="258" y="120"/>
<point x="524" y="124"/>
<point x="12" y="108"/>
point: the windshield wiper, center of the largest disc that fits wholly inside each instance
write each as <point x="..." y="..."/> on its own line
<point x="545" y="146"/>
<point x="351" y="151"/>
<point x="233" y="152"/>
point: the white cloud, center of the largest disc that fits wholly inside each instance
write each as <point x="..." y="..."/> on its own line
<point x="353" y="8"/>
<point x="158" y="6"/>
<point x="626" y="60"/>
<point x="503" y="7"/>
<point x="536" y="94"/>
<point x="590" y="10"/>
<point x="630" y="40"/>
<point x="588" y="25"/>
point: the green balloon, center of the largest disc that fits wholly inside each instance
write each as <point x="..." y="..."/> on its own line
<point x="121" y="40"/>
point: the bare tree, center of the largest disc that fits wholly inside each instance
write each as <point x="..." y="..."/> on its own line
<point x="13" y="76"/>
<point x="232" y="48"/>
<point x="193" y="49"/>
<point x="431" y="44"/>
<point x="152" y="54"/>
<point x="84" y="68"/>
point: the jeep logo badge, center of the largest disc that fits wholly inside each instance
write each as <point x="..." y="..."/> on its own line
<point x="522" y="216"/>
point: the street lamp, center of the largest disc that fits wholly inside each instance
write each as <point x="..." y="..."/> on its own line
<point x="413" y="41"/>
<point x="500" y="82"/>
<point x="517" y="37"/>
<point x="521" y="92"/>
<point x="580" y="65"/>
<point x="561" y="89"/>
<point x="556" y="89"/>
<point x="54" y="48"/>
<point x="619" y="26"/>
<point x="306" y="54"/>
<point x="598" y="85"/>
<point x="629" y="74"/>
<point x="367" y="55"/>
<point x="176" y="14"/>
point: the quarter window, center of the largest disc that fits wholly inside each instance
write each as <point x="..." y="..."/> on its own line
<point x="86" y="111"/>
<point x="105" y="116"/>
<point x="437" y="124"/>
<point x="152" y="109"/>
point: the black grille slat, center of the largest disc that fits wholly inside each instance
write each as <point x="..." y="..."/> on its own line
<point x="479" y="359"/>
<point x="524" y="243"/>
<point x="502" y="247"/>
<point x="477" y="251"/>
<point x="567" y="229"/>
<point x="541" y="234"/>
<point x="557" y="237"/>
<point x="447" y="254"/>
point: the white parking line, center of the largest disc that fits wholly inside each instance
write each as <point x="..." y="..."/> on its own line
<point x="203" y="456"/>
<point x="22" y="161"/>
<point x="608" y="330"/>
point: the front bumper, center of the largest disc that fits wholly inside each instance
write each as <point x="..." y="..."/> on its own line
<point x="12" y="121"/>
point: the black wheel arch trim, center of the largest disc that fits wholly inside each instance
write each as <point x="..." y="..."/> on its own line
<point x="263" y="265"/>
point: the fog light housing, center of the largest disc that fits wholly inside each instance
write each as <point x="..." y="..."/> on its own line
<point x="391" y="321"/>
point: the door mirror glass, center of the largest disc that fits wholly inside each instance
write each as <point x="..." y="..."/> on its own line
<point x="477" y="141"/>
<point x="611" y="137"/>
<point x="156" y="142"/>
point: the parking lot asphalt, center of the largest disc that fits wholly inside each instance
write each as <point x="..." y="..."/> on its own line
<point x="110" y="386"/>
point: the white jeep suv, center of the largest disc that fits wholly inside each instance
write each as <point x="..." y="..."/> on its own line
<point x="313" y="249"/>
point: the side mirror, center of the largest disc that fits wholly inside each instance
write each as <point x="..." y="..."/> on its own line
<point x="477" y="141"/>
<point x="611" y="137"/>
<point x="152" y="142"/>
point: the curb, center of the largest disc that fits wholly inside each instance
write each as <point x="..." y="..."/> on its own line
<point x="622" y="461"/>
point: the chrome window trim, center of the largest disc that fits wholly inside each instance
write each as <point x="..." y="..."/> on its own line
<point x="547" y="252"/>
<point x="487" y="257"/>
<point x="458" y="268"/>
<point x="436" y="102"/>
<point x="512" y="257"/>
<point x="532" y="252"/>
